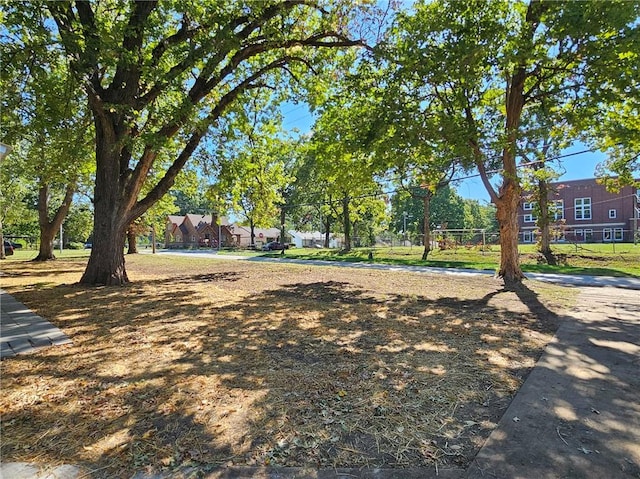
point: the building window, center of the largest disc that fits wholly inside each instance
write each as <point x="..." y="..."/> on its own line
<point x="618" y="234"/>
<point x="579" y="233"/>
<point x="193" y="239"/>
<point x="612" y="214"/>
<point x="588" y="235"/>
<point x="529" y="218"/>
<point x="607" y="235"/>
<point x="528" y="206"/>
<point x="583" y="208"/>
<point x="527" y="236"/>
<point x="557" y="210"/>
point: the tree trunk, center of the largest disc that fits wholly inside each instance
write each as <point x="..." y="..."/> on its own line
<point x="283" y="219"/>
<point x="543" y="222"/>
<point x="426" y="201"/>
<point x="507" y="216"/>
<point x="131" y="241"/>
<point x="106" y="262"/>
<point x="252" y="227"/>
<point x="346" y="224"/>
<point x="45" y="252"/>
<point x="49" y="228"/>
<point x="3" y="255"/>
<point x="327" y="231"/>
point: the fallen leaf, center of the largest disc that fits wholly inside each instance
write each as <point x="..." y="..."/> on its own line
<point x="516" y="419"/>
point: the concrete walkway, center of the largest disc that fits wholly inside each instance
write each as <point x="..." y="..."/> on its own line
<point x="22" y="331"/>
<point x="578" y="413"/>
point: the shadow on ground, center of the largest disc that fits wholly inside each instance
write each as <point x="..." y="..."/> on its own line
<point x="213" y="369"/>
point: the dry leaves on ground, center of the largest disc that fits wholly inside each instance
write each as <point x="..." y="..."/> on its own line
<point x="249" y="363"/>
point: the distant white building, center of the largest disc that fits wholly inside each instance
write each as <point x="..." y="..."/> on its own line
<point x="311" y="239"/>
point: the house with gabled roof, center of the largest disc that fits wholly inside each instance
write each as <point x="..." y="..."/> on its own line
<point x="262" y="235"/>
<point x="197" y="231"/>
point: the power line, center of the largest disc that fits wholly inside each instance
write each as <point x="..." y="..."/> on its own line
<point x="475" y="175"/>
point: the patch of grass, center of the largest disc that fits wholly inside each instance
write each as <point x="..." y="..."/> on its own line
<point x="245" y="363"/>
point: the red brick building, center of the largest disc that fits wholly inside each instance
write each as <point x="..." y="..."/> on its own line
<point x="585" y="212"/>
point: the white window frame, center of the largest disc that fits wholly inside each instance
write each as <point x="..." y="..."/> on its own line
<point x="579" y="232"/>
<point x="528" y="205"/>
<point x="582" y="208"/>
<point x="557" y="208"/>
<point x="607" y="235"/>
<point x="613" y="214"/>
<point x="529" y="218"/>
<point x="618" y="234"/>
<point x="527" y="236"/>
<point x="588" y="234"/>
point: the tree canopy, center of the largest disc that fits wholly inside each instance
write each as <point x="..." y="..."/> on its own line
<point x="157" y="72"/>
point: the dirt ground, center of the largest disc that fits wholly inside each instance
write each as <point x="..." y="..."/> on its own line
<point x="245" y="363"/>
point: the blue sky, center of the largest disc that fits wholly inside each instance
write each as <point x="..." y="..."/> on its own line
<point x="576" y="167"/>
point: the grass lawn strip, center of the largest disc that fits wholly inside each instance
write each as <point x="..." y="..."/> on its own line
<point x="208" y="363"/>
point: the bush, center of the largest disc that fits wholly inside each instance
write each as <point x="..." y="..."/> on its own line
<point x="75" y="245"/>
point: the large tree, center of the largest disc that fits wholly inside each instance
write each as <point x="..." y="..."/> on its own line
<point x="154" y="71"/>
<point x="45" y="117"/>
<point x="485" y="63"/>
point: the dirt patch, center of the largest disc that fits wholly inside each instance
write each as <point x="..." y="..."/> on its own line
<point x="245" y="363"/>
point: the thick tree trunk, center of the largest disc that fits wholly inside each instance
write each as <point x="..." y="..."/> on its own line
<point x="346" y="223"/>
<point x="426" y="201"/>
<point x="543" y="222"/>
<point x="131" y="241"/>
<point x="106" y="262"/>
<point x="45" y="251"/>
<point x="507" y="216"/>
<point x="49" y="228"/>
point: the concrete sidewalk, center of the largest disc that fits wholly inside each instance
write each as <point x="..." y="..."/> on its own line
<point x="22" y="331"/>
<point x="578" y="413"/>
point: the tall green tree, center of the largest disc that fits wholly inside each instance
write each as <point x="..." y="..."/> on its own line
<point x="156" y="71"/>
<point x="43" y="113"/>
<point x="251" y="165"/>
<point x="485" y="63"/>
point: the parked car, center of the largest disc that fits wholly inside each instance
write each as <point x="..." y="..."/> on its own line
<point x="273" y="246"/>
<point x="8" y="248"/>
